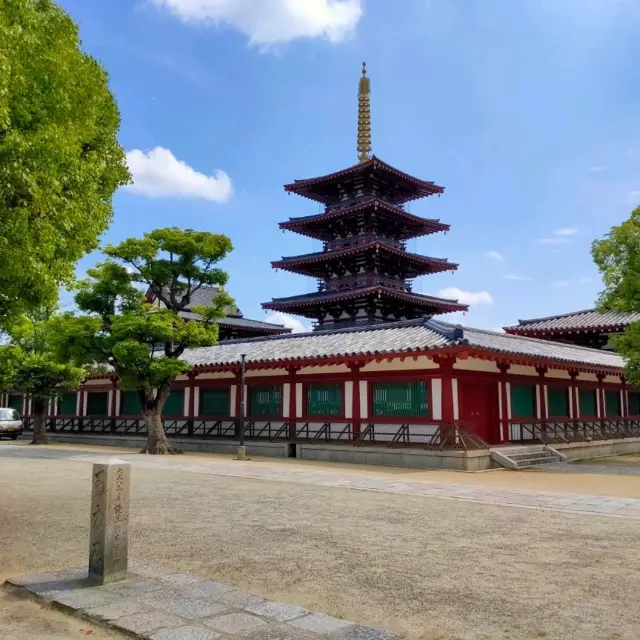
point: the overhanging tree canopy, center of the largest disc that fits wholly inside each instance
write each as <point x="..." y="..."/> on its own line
<point x="60" y="160"/>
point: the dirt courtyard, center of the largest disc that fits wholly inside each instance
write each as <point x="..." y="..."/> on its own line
<point x="428" y="568"/>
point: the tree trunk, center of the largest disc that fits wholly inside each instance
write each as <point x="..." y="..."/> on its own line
<point x="157" y="442"/>
<point x="39" y="421"/>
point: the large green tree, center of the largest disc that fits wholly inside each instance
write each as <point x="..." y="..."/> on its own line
<point x="28" y="364"/>
<point x="617" y="256"/>
<point x="60" y="160"/>
<point x="144" y="343"/>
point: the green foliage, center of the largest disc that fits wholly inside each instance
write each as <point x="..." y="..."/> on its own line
<point x="60" y="160"/>
<point x="142" y="342"/>
<point x="617" y="256"/>
<point x="28" y="363"/>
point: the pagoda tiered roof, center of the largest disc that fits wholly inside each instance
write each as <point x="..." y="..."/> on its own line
<point x="326" y="189"/>
<point x="318" y="225"/>
<point x="312" y="264"/>
<point x="303" y="303"/>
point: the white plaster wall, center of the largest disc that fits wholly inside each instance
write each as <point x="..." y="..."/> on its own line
<point x="286" y="395"/>
<point x="538" y="407"/>
<point x="233" y="390"/>
<point x="364" y="400"/>
<point x="508" y="385"/>
<point x="612" y="379"/>
<point x="409" y="364"/>
<point x="182" y="378"/>
<point x="298" y="400"/>
<point x="588" y="377"/>
<point x="560" y="374"/>
<point x="436" y="398"/>
<point x="328" y="368"/>
<point x="263" y="373"/>
<point x="348" y="399"/>
<point x="475" y="364"/>
<point x="522" y="370"/>
<point x="185" y="406"/>
<point x="196" y="402"/>
<point x="216" y="375"/>
<point x="110" y="402"/>
<point x="78" y="398"/>
<point x="96" y="382"/>
<point x="456" y="405"/>
<point x="599" y="411"/>
<point x="84" y="403"/>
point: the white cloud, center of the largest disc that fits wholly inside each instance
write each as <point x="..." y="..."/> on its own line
<point x="288" y="321"/>
<point x="513" y="276"/>
<point x="566" y="231"/>
<point x="159" y="174"/>
<point x="560" y="283"/>
<point x="466" y="297"/>
<point x="494" y="255"/>
<point x="584" y="280"/>
<point x="555" y="240"/>
<point x="273" y="21"/>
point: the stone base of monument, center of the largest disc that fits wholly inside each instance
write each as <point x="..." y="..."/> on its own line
<point x="161" y="604"/>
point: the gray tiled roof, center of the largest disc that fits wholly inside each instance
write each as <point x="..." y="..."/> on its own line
<point x="233" y="321"/>
<point x="400" y="337"/>
<point x="577" y="321"/>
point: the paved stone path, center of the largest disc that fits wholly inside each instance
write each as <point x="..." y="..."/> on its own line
<point x="160" y="604"/>
<point x="611" y="470"/>
<point x="582" y="504"/>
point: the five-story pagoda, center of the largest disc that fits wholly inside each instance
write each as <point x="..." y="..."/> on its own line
<point x="364" y="271"/>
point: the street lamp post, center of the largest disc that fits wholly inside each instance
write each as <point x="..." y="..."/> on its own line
<point x="242" y="450"/>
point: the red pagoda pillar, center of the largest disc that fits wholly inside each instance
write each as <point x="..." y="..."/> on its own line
<point x="504" y="403"/>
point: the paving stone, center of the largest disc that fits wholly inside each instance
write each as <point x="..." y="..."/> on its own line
<point x="194" y="609"/>
<point x="207" y="589"/>
<point x="277" y="611"/>
<point x="148" y="622"/>
<point x="282" y="631"/>
<point x="320" y="623"/>
<point x="356" y="632"/>
<point x="117" y="610"/>
<point x="185" y="633"/>
<point x="179" y="579"/>
<point x="132" y="589"/>
<point x="163" y="597"/>
<point x="234" y="622"/>
<point x="87" y="599"/>
<point x="238" y="599"/>
<point x="58" y="587"/>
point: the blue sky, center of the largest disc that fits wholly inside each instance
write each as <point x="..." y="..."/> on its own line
<point x="527" y="112"/>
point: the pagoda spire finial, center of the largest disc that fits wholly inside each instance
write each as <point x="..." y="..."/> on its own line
<point x="364" y="116"/>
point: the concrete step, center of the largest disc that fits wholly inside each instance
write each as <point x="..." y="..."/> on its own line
<point x="532" y="456"/>
<point x="524" y="457"/>
<point x="537" y="462"/>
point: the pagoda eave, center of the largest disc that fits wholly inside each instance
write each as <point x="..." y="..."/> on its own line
<point x="302" y="305"/>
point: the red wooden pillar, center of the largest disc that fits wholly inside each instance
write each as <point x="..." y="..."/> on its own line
<point x="446" y="372"/>
<point x="293" y="395"/>
<point x="505" y="435"/>
<point x="355" y="409"/>
<point x="543" y="409"/>
<point x="624" y="404"/>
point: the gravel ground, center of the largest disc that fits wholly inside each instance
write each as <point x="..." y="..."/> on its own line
<point x="24" y="619"/>
<point x="432" y="569"/>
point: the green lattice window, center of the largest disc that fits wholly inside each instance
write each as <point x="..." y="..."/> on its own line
<point x="266" y="401"/>
<point x="174" y="405"/>
<point x="324" y="399"/>
<point x="634" y="403"/>
<point x="588" y="404"/>
<point x="68" y="404"/>
<point x="214" y="402"/>
<point x="523" y="401"/>
<point x="15" y="402"/>
<point x="399" y="399"/>
<point x="558" y="398"/>
<point x="97" y="403"/>
<point x="130" y="403"/>
<point x="612" y="403"/>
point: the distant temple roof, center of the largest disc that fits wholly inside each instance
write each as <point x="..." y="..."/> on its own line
<point x="408" y="336"/>
<point x="235" y="320"/>
<point x="589" y="320"/>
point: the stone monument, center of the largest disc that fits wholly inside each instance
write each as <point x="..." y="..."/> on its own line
<point x="108" y="539"/>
